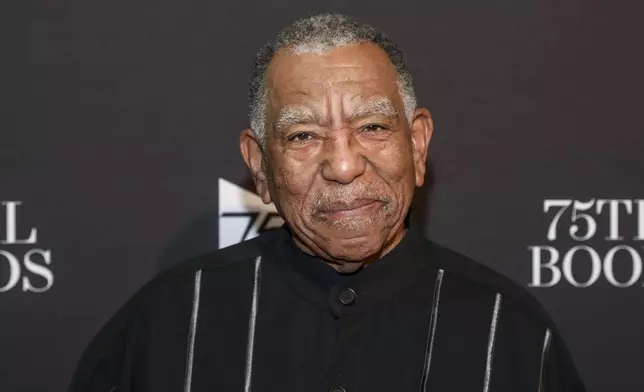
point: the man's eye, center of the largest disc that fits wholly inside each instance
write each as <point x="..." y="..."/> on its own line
<point x="300" y="137"/>
<point x="374" y="128"/>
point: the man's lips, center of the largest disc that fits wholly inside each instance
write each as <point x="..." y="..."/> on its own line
<point x="348" y="207"/>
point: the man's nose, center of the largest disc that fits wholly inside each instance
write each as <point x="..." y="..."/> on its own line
<point x="343" y="160"/>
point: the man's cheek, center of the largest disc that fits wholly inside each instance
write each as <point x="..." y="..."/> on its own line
<point x="298" y="177"/>
<point x="390" y="166"/>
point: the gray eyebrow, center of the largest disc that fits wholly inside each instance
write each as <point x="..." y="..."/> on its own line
<point x="294" y="114"/>
<point x="374" y="107"/>
<point x="302" y="114"/>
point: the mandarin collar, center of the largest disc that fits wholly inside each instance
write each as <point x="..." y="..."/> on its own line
<point x="319" y="283"/>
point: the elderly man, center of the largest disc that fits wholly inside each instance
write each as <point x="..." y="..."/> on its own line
<point x="344" y="297"/>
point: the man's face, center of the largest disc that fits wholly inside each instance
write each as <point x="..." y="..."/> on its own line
<point x="340" y="160"/>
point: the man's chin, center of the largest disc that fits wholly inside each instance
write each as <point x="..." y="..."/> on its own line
<point x="354" y="249"/>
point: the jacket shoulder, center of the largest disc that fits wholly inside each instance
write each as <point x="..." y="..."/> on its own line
<point x="164" y="298"/>
<point x="216" y="259"/>
<point x="219" y="261"/>
<point x="481" y="278"/>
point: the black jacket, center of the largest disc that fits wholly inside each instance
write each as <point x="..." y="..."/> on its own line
<point x="263" y="316"/>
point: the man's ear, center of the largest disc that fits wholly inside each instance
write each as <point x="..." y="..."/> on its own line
<point x="422" y="129"/>
<point x="253" y="154"/>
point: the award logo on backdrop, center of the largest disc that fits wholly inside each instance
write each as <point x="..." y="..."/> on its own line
<point x="587" y="239"/>
<point x="22" y="264"/>
<point x="242" y="214"/>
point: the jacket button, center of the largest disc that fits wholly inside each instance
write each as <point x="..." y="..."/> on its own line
<point x="337" y="389"/>
<point x="347" y="297"/>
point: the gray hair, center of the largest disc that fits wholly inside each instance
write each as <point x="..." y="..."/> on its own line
<point x="322" y="33"/>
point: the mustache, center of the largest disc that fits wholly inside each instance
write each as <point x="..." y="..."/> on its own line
<point x="344" y="198"/>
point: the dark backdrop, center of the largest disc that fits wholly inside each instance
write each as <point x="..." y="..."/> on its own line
<point x="121" y="117"/>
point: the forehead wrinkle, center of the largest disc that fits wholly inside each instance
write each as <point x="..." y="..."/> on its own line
<point x="379" y="106"/>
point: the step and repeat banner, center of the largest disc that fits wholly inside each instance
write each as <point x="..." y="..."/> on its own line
<point x="119" y="158"/>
